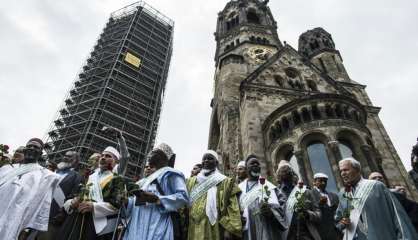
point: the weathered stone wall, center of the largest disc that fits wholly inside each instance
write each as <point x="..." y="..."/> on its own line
<point x="275" y="105"/>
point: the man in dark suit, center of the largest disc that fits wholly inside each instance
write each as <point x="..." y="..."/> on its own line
<point x="328" y="204"/>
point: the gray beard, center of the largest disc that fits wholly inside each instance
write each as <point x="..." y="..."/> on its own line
<point x="255" y="174"/>
<point x="204" y="171"/>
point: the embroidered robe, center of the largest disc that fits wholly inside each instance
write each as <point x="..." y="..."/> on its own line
<point x="199" y="225"/>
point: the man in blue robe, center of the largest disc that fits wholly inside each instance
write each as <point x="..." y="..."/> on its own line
<point x="153" y="212"/>
<point x="368" y="210"/>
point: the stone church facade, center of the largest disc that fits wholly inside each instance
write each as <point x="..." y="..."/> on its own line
<point x="295" y="105"/>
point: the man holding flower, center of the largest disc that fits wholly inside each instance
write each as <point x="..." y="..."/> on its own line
<point x="302" y="212"/>
<point x="328" y="203"/>
<point x="368" y="210"/>
<point x="94" y="212"/>
<point x="263" y="205"/>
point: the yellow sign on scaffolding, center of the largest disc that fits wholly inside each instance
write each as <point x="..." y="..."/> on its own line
<point x="132" y="59"/>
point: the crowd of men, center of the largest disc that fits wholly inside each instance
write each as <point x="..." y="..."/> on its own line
<point x="61" y="201"/>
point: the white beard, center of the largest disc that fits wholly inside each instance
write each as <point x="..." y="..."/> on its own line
<point x="63" y="165"/>
<point x="255" y="174"/>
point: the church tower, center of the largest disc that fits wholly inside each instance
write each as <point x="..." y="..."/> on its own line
<point x="246" y="37"/>
<point x="301" y="106"/>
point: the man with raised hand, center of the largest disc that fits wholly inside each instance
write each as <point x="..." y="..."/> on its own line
<point x="302" y="213"/>
<point x="368" y="210"/>
<point x="214" y="212"/>
<point x="94" y="212"/>
<point x="328" y="203"/>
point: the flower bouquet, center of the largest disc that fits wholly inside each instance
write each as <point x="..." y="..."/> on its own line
<point x="300" y="206"/>
<point x="264" y="190"/>
<point x="349" y="198"/>
<point x="265" y="195"/>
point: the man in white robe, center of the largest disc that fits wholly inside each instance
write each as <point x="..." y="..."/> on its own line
<point x="26" y="191"/>
<point x="373" y="213"/>
<point x="263" y="205"/>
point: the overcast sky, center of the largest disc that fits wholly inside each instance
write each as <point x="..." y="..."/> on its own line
<point x="44" y="43"/>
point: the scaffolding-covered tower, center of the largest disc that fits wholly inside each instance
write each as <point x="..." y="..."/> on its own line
<point x="121" y="85"/>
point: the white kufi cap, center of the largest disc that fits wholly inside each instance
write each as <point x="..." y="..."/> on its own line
<point x="241" y="164"/>
<point x="213" y="153"/>
<point x="113" y="151"/>
<point x="320" y="175"/>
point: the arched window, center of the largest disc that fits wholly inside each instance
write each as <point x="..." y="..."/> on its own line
<point x="305" y="115"/>
<point x="353" y="115"/>
<point x="228" y="26"/>
<point x="319" y="161"/>
<point x="276" y="131"/>
<point x="279" y="80"/>
<point x="329" y="111"/>
<point x="338" y="111"/>
<point x="298" y="84"/>
<point x="291" y="83"/>
<point x="291" y="72"/>
<point x="296" y="118"/>
<point x="346" y="112"/>
<point x="345" y="149"/>
<point x="312" y="85"/>
<point x="315" y="112"/>
<point x="236" y="20"/>
<point x="252" y="17"/>
<point x="314" y="45"/>
<point x="285" y="124"/>
<point x="278" y="128"/>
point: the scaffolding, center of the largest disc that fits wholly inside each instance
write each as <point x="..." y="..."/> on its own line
<point x="121" y="85"/>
